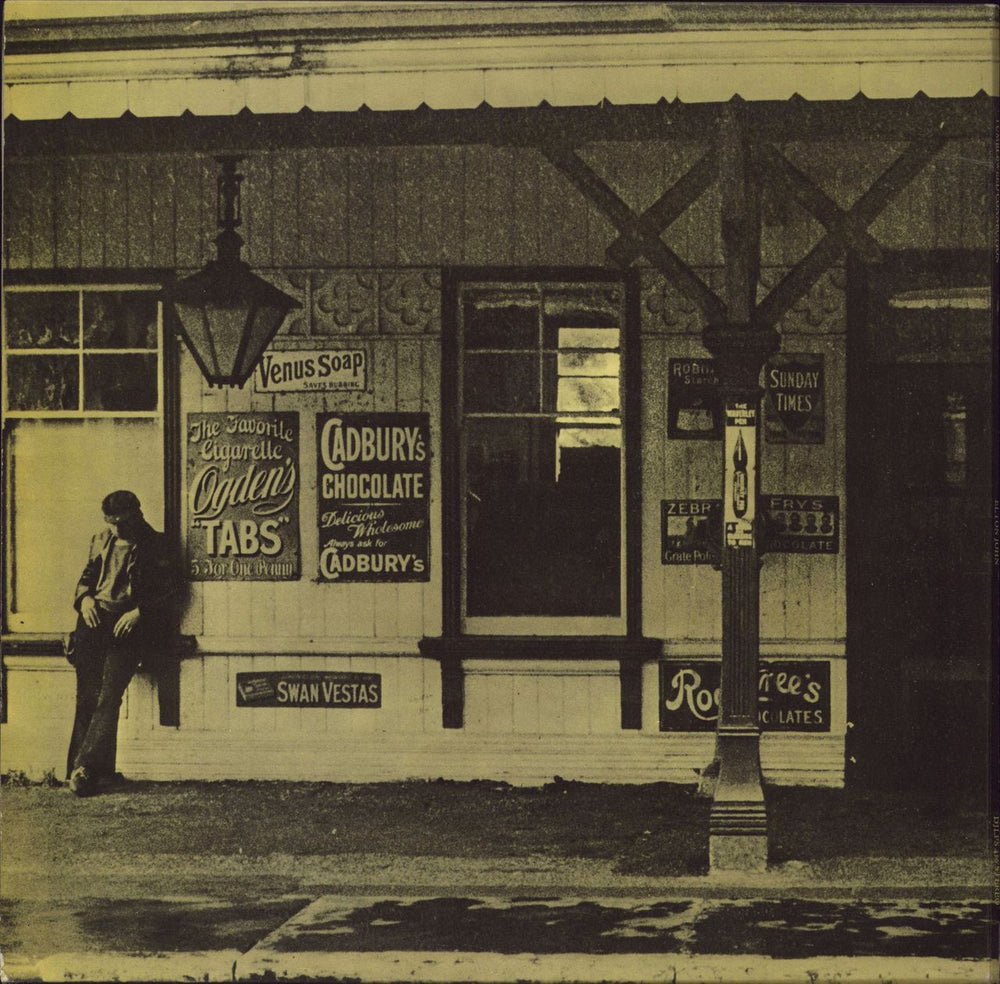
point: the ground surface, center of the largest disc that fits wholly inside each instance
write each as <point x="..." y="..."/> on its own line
<point x="658" y="829"/>
<point x="175" y="868"/>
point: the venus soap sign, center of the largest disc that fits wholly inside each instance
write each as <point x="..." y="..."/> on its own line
<point x="243" y="496"/>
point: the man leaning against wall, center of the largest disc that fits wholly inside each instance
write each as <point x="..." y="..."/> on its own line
<point x="125" y="602"/>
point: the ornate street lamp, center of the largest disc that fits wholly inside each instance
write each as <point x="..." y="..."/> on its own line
<point x="227" y="314"/>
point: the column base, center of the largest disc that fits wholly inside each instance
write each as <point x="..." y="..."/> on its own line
<point x="737" y="852"/>
<point x="737" y="824"/>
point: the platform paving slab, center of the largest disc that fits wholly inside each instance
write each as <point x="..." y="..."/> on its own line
<point x="619" y="939"/>
<point x="532" y="938"/>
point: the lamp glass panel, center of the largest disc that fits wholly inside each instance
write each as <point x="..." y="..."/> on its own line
<point x="264" y="322"/>
<point x="226" y="325"/>
<point x="195" y="326"/>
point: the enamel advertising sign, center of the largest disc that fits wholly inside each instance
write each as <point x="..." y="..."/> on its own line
<point x="739" y="504"/>
<point x="300" y="371"/>
<point x="694" y="408"/>
<point x="793" y="395"/>
<point x="309" y="688"/>
<point x="373" y="478"/>
<point x="686" y="529"/>
<point x="243" y="496"/>
<point x="808" y="524"/>
<point x="792" y="694"/>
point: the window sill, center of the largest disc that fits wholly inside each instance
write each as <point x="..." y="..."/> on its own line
<point x="54" y="644"/>
<point x="34" y="644"/>
<point x="541" y="647"/>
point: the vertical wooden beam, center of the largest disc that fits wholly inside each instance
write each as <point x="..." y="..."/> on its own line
<point x="452" y="692"/>
<point x="630" y="682"/>
<point x="740" y="195"/>
<point x="168" y="672"/>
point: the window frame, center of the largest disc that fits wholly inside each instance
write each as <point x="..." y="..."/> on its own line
<point x="80" y="351"/>
<point x="166" y="414"/>
<point x="571" y="630"/>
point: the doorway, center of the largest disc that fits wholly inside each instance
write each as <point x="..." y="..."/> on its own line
<point x="919" y="492"/>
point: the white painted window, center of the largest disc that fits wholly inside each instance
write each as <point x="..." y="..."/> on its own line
<point x="82" y="397"/>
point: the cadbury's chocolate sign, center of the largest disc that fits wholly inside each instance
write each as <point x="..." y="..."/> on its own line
<point x="374" y="496"/>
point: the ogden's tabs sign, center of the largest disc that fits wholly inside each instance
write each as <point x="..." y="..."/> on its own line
<point x="374" y="496"/>
<point x="243" y="496"/>
<point x="300" y="371"/>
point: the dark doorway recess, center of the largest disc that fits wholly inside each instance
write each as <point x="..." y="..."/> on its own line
<point x="920" y="449"/>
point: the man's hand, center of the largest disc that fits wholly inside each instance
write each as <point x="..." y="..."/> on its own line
<point x="126" y="623"/>
<point x="88" y="611"/>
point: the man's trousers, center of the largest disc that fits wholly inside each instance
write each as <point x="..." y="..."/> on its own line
<point x="104" y="666"/>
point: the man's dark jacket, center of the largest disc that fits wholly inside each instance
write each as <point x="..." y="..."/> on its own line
<point x="152" y="576"/>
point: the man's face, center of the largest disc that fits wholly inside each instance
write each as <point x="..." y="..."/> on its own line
<point x="124" y="525"/>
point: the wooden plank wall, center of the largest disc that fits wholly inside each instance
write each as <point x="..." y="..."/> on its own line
<point x="802" y="597"/>
<point x="309" y="215"/>
<point x="366" y="309"/>
<point x="440" y="205"/>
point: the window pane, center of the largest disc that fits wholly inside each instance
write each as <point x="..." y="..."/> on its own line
<point x="49" y="319"/>
<point x="43" y="382"/>
<point x="582" y="309"/>
<point x="579" y="393"/>
<point x="59" y="470"/>
<point x="119" y="382"/>
<point x="588" y="338"/>
<point x="543" y="519"/>
<point x="589" y="364"/>
<point x="119" y="319"/>
<point x="495" y="383"/>
<point x="501" y="318"/>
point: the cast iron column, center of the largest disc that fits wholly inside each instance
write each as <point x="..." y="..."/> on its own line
<point x="738" y="820"/>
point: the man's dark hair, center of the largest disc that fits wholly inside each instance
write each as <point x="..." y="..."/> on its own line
<point x="120" y="503"/>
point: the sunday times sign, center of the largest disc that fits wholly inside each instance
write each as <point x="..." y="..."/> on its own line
<point x="373" y="478"/>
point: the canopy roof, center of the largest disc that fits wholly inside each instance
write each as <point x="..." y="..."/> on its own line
<point x="100" y="60"/>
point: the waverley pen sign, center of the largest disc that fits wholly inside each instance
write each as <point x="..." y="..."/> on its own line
<point x="374" y="496"/>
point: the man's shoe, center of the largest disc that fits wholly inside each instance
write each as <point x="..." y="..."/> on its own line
<point x="80" y="782"/>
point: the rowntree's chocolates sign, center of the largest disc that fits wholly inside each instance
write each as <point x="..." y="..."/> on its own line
<point x="243" y="496"/>
<point x="373" y="479"/>
<point x="792" y="694"/>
